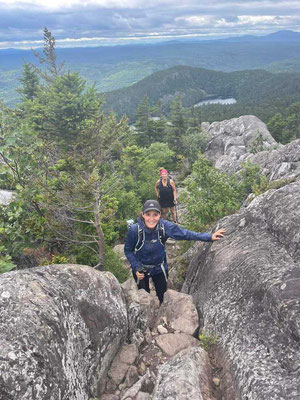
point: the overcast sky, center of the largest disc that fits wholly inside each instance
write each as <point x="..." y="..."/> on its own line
<point x="98" y="22"/>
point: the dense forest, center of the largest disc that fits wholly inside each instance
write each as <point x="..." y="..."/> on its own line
<point x="114" y="67"/>
<point x="253" y="90"/>
<point x="79" y="173"/>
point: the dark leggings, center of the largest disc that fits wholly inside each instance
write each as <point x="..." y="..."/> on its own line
<point x="159" y="281"/>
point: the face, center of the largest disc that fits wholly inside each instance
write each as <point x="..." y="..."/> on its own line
<point x="164" y="176"/>
<point x="151" y="218"/>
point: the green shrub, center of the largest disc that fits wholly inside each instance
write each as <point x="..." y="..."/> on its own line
<point x="258" y="144"/>
<point x="114" y="264"/>
<point x="265" y="185"/>
<point x="207" y="340"/>
<point x="5" y="261"/>
<point x="60" y="259"/>
<point x="211" y="195"/>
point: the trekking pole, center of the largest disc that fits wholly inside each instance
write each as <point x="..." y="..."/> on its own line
<point x="176" y="214"/>
<point x="144" y="272"/>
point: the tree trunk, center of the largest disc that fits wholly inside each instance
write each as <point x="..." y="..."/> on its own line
<point x="100" y="242"/>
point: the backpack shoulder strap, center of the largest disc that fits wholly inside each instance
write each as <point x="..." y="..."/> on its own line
<point x="168" y="182"/>
<point x="140" y="237"/>
<point x="162" y="233"/>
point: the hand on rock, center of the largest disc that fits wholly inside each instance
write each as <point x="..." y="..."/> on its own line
<point x="218" y="234"/>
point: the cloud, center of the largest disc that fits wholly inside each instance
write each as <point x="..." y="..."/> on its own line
<point x="195" y="20"/>
<point x="107" y="21"/>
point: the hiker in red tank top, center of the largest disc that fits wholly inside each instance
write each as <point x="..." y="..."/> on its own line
<point x="166" y="194"/>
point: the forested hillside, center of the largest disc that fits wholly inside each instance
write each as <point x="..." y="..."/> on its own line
<point x="113" y="67"/>
<point x="251" y="88"/>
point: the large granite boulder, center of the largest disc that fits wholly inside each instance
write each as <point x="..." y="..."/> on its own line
<point x="234" y="137"/>
<point x="275" y="164"/>
<point x="178" y="313"/>
<point x="247" y="288"/>
<point x="187" y="376"/>
<point x="60" y="327"/>
<point x="230" y="144"/>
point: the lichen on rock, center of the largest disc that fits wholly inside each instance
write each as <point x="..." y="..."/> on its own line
<point x="60" y="328"/>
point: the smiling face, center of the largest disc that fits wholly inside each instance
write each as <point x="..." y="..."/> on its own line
<point x="164" y="176"/>
<point x="151" y="218"/>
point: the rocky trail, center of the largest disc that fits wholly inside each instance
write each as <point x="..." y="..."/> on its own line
<point x="69" y="332"/>
<point x="165" y="358"/>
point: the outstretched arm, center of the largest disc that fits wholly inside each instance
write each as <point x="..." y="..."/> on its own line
<point x="176" y="232"/>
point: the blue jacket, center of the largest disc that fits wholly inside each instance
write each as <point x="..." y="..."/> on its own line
<point x="153" y="251"/>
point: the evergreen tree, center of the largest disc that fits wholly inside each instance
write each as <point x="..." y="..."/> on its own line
<point x="286" y="129"/>
<point x="293" y="120"/>
<point x="30" y="83"/>
<point x="194" y="118"/>
<point x="177" y="129"/>
<point x="61" y="110"/>
<point x="276" y="127"/>
<point x="159" y="124"/>
<point x="53" y="69"/>
<point x="60" y="153"/>
<point x="144" y="124"/>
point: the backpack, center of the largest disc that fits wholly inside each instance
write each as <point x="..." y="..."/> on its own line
<point x="141" y="234"/>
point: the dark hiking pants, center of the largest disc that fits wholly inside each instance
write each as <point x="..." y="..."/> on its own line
<point x="159" y="281"/>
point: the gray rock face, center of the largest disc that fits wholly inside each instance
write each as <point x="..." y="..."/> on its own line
<point x="60" y="328"/>
<point x="280" y="163"/>
<point x="235" y="137"/>
<point x="230" y="143"/>
<point x="5" y="197"/>
<point x="119" y="249"/>
<point x="247" y="289"/>
<point x="185" y="377"/>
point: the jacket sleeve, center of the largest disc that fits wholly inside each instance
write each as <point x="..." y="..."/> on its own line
<point x="176" y="232"/>
<point x="129" y="247"/>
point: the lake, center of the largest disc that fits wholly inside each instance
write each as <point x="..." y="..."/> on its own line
<point x="230" y="100"/>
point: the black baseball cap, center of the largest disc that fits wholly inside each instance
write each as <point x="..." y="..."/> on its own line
<point x="151" y="205"/>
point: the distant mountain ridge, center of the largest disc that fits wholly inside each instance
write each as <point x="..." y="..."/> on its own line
<point x="114" y="67"/>
<point x="196" y="84"/>
<point x="276" y="36"/>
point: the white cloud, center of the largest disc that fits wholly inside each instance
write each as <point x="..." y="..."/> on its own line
<point x="68" y="4"/>
<point x="106" y="21"/>
<point x="255" y="19"/>
<point x="195" y="20"/>
<point x="200" y="21"/>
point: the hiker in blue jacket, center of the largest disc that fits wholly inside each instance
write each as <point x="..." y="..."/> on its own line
<point x="145" y="246"/>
